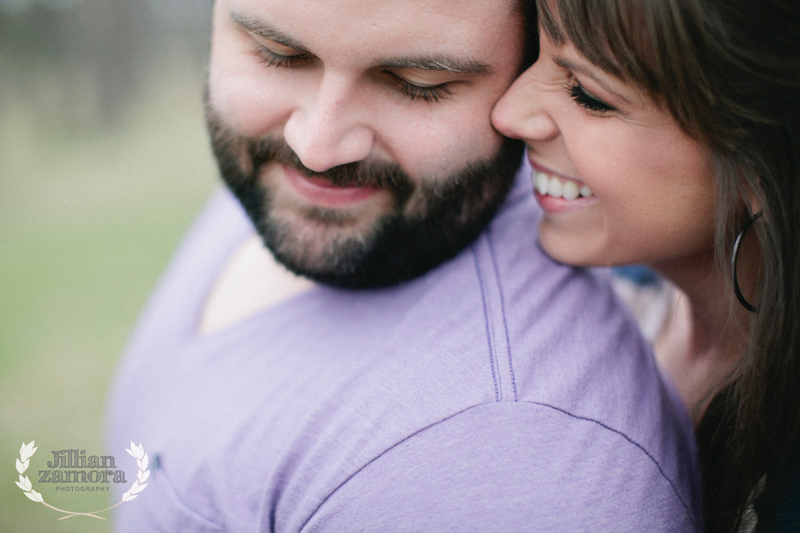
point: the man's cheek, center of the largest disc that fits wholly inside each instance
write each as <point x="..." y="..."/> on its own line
<point x="440" y="147"/>
<point x="248" y="107"/>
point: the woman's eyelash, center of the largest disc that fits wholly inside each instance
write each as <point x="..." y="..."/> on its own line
<point x="428" y="94"/>
<point x="271" y="59"/>
<point x="588" y="101"/>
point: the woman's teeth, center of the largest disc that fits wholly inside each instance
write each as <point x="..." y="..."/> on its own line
<point x="558" y="188"/>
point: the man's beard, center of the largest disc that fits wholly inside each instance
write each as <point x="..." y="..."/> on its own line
<point x="427" y="222"/>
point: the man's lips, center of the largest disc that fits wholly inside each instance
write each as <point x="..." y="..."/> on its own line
<point x="322" y="192"/>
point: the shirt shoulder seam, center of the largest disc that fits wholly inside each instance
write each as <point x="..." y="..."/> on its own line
<point x="496" y="269"/>
<point x="487" y="320"/>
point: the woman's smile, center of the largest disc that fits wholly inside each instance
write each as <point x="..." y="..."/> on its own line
<point x="557" y="193"/>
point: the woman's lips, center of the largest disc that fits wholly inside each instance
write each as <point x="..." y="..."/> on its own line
<point x="557" y="193"/>
<point x="322" y="192"/>
<point x="552" y="205"/>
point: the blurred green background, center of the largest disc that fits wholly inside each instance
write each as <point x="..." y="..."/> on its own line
<point x="104" y="162"/>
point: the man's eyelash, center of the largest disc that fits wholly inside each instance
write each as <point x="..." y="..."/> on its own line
<point x="428" y="94"/>
<point x="271" y="59"/>
<point x="587" y="100"/>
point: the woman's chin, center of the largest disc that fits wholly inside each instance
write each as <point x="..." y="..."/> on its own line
<point x="572" y="248"/>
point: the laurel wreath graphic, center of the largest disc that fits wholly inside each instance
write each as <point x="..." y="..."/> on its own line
<point x="137" y="452"/>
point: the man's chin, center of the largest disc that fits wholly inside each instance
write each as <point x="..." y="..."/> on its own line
<point x="326" y="246"/>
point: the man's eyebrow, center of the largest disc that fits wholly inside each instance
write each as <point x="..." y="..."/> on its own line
<point x="266" y="30"/>
<point x="442" y="63"/>
<point x="569" y="65"/>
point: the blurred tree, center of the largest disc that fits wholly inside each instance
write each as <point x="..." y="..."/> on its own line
<point x="80" y="61"/>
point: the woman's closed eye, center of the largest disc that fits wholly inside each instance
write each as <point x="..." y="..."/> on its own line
<point x="587" y="100"/>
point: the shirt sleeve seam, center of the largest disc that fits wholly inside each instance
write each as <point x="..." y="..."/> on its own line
<point x="483" y="404"/>
<point x="633" y="442"/>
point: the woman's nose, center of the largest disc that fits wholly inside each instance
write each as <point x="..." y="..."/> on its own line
<point x="522" y="113"/>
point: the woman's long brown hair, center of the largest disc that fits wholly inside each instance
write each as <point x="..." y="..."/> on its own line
<point x="728" y="71"/>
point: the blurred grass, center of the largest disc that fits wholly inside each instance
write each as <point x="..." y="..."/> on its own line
<point x="88" y="219"/>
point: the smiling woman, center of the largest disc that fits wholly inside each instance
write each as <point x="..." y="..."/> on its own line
<point x="586" y="128"/>
<point x="658" y="131"/>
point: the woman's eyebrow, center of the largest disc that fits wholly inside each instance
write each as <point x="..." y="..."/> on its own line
<point x="266" y="30"/>
<point x="569" y="65"/>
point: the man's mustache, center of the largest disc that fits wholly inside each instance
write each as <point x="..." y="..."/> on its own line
<point x="384" y="174"/>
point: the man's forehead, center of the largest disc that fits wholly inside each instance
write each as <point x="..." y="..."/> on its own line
<point x="385" y="30"/>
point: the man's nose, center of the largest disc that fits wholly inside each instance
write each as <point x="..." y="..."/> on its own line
<point x="522" y="112"/>
<point x="327" y="129"/>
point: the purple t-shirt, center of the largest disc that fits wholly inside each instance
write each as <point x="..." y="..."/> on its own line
<point x="499" y="392"/>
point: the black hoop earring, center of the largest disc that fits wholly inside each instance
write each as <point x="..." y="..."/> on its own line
<point x="734" y="258"/>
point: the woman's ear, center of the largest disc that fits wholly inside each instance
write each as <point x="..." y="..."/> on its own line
<point x="755" y="205"/>
<point x="752" y="198"/>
